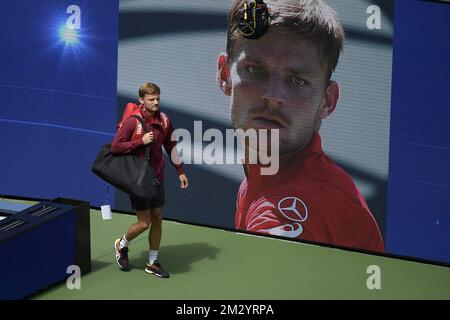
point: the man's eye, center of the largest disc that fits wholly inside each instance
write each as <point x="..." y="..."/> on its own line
<point x="255" y="70"/>
<point x="298" y="82"/>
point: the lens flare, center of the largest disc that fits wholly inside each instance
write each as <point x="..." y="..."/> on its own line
<point x="69" y="36"/>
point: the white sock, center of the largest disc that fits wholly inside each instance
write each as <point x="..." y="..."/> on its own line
<point x="152" y="256"/>
<point x="123" y="242"/>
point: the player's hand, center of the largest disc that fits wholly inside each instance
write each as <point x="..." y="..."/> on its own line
<point x="147" y="138"/>
<point x="183" y="181"/>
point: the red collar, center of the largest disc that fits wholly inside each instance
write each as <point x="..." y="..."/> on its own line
<point x="156" y="118"/>
<point x="288" y="164"/>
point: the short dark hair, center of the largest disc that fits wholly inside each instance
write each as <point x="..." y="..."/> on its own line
<point x="312" y="20"/>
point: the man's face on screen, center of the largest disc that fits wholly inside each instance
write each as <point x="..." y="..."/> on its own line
<point x="277" y="82"/>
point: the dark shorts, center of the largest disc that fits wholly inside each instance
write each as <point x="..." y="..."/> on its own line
<point x="144" y="204"/>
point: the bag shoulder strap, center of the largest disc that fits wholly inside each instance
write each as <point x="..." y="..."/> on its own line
<point x="144" y="126"/>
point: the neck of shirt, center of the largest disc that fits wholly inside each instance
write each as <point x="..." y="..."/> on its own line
<point x="288" y="164"/>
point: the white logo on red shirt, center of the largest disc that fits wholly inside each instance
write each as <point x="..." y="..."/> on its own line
<point x="286" y="230"/>
<point x="164" y="118"/>
<point x="293" y="209"/>
<point x="139" y="129"/>
<point x="261" y="217"/>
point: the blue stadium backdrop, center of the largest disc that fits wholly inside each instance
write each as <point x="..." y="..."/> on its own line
<point x="418" y="221"/>
<point x="67" y="70"/>
<point x="58" y="79"/>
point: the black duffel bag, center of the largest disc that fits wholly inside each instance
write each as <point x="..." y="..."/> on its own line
<point x="127" y="172"/>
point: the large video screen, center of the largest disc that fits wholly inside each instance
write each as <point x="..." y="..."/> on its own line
<point x="339" y="200"/>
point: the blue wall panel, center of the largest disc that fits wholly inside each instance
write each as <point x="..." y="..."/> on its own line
<point x="419" y="176"/>
<point x="58" y="97"/>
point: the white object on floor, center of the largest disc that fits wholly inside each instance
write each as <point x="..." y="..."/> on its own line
<point x="106" y="212"/>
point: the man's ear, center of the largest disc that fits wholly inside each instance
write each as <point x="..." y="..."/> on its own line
<point x="141" y="101"/>
<point x="330" y="99"/>
<point x="223" y="74"/>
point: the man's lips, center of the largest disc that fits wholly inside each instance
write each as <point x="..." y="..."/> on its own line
<point x="270" y="122"/>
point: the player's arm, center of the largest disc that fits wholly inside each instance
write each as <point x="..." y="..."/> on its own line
<point x="121" y="143"/>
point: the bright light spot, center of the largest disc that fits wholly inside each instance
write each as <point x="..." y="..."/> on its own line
<point x="69" y="36"/>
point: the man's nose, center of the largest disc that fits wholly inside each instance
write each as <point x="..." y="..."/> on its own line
<point x="274" y="96"/>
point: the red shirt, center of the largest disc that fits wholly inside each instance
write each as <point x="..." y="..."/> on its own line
<point x="310" y="198"/>
<point x="128" y="139"/>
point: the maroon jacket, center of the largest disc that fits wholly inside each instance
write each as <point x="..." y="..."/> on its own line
<point x="128" y="139"/>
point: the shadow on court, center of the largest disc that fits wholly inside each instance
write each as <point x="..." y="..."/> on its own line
<point x="179" y="259"/>
<point x="98" y="265"/>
